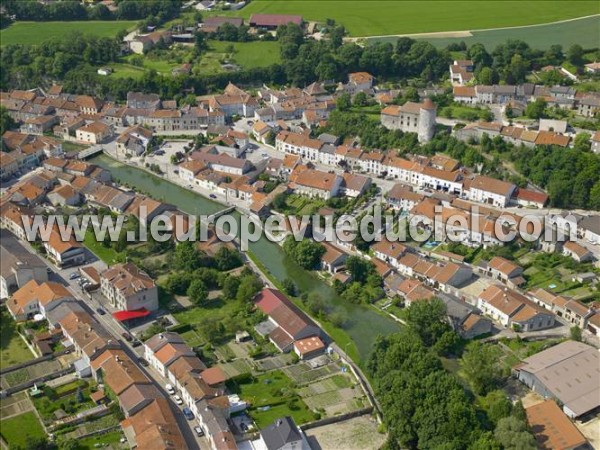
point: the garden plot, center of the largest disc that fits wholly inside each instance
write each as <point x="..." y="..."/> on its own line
<point x="275" y="362"/>
<point x="30" y="373"/>
<point x="14" y="405"/>
<point x="335" y="395"/>
<point x="235" y="368"/>
<point x="303" y="373"/>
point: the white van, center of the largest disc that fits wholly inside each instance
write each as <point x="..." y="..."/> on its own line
<point x="170" y="389"/>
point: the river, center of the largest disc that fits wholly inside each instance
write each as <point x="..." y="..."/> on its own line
<point x="364" y="324"/>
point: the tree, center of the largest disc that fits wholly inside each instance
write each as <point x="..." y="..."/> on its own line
<point x="359" y="268"/>
<point x="480" y="363"/>
<point x="360" y="99"/>
<point x="230" y="288"/>
<point x="279" y="202"/>
<point x="227" y="258"/>
<point x="306" y="253"/>
<point x="178" y="283"/>
<point x="249" y="287"/>
<point x="200" y="43"/>
<point x="289" y="287"/>
<point x="69" y="444"/>
<point x="6" y="122"/>
<point x="513" y="435"/>
<point x="535" y="109"/>
<point x="582" y="142"/>
<point x="315" y="304"/>
<point x="187" y="257"/>
<point x="496" y="405"/>
<point x="197" y="292"/>
<point x="428" y="319"/>
<point x="343" y="102"/>
<point x="575" y="55"/>
<point x="575" y="333"/>
<point x="487" y="76"/>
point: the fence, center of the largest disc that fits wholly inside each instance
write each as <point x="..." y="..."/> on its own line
<point x="32" y="362"/>
<point x="28" y="384"/>
<point x="336" y="419"/>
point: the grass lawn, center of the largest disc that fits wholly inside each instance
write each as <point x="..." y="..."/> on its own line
<point x="38" y="32"/>
<point x="275" y="391"/>
<point x="55" y="399"/>
<point x="582" y="31"/>
<point x="13" y="429"/>
<point x="90" y="443"/>
<point x="106" y="254"/>
<point x="69" y="146"/>
<point x="12" y="348"/>
<point x="374" y="18"/>
<point x="249" y="54"/>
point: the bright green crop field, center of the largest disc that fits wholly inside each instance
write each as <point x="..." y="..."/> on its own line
<point x="377" y="17"/>
<point x="38" y="32"/>
<point x="585" y="32"/>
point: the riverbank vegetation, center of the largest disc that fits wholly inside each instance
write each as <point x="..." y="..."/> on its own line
<point x="425" y="406"/>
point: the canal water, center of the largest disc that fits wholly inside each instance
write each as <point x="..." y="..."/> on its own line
<point x="364" y="324"/>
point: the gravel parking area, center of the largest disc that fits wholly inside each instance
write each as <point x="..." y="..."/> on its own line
<point x="359" y="433"/>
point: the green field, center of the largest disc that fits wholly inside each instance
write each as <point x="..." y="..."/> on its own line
<point x="38" y="32"/>
<point x="106" y="254"/>
<point x="12" y="348"/>
<point x="584" y="32"/>
<point x="13" y="429"/>
<point x="376" y="17"/>
<point x="245" y="54"/>
<point x="272" y="395"/>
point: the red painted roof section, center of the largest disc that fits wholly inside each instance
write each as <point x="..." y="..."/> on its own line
<point x="128" y="315"/>
<point x="268" y="299"/>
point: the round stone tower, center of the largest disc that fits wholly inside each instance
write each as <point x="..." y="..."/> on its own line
<point x="427" y="115"/>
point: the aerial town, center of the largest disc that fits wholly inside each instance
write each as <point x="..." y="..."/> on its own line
<point x="468" y="317"/>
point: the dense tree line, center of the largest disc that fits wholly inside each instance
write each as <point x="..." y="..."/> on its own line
<point x="424" y="406"/>
<point x="68" y="10"/>
<point x="571" y="176"/>
<point x="28" y="66"/>
<point x="306" y="253"/>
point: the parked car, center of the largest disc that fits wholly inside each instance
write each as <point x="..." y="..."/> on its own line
<point x="48" y="270"/>
<point x="178" y="400"/>
<point x="143" y="362"/>
<point x="100" y="311"/>
<point x="127" y="336"/>
<point x="199" y="431"/>
<point x="136" y="344"/>
<point x="212" y="196"/>
<point x="187" y="412"/>
<point x="170" y="389"/>
<point x="74" y="275"/>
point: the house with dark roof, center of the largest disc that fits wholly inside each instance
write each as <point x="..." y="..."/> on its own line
<point x="17" y="265"/>
<point x="283" y="434"/>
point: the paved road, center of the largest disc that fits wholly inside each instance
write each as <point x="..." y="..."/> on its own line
<point x="91" y="303"/>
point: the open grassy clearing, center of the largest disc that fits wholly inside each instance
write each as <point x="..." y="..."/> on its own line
<point x="583" y="31"/>
<point x="246" y="55"/>
<point x="106" y="254"/>
<point x="12" y="348"/>
<point x="12" y="429"/>
<point x="102" y="440"/>
<point x="38" y="32"/>
<point x="376" y="18"/>
<point x="272" y="395"/>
